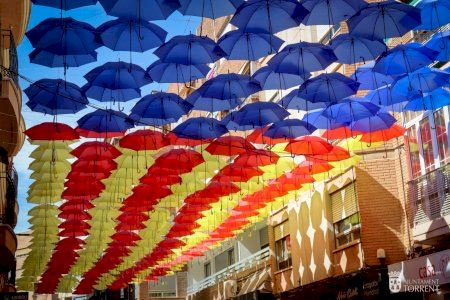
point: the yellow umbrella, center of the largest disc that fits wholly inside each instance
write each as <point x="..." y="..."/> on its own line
<point x="50" y="167"/>
<point x="50" y="154"/>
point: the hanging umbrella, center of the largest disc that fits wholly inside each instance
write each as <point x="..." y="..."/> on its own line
<point x="55" y="97"/>
<point x="212" y="9"/>
<point x="383" y="20"/>
<point x="104" y="121"/>
<point x="268" y="16"/>
<point x="162" y="72"/>
<point x="340" y="133"/>
<point x="441" y="43"/>
<point x="148" y="10"/>
<point x="350" y="49"/>
<point x="200" y="128"/>
<point x="385" y="96"/>
<point x="380" y="121"/>
<point x="211" y="104"/>
<point x="309" y="145"/>
<point x="144" y="140"/>
<point x="51" y="131"/>
<point x="131" y="35"/>
<point x="115" y="81"/>
<point x="229" y="146"/>
<point x="312" y="167"/>
<point x="434" y="14"/>
<point x="292" y="101"/>
<point x="237" y="173"/>
<point x="189" y="50"/>
<point x="350" y="110"/>
<point x="303" y="58"/>
<point x="98" y="135"/>
<point x="258" y="137"/>
<point x="60" y="58"/>
<point x="256" y="158"/>
<point x="271" y="80"/>
<point x="326" y="12"/>
<point x="240" y="45"/>
<point x="404" y="59"/>
<point x="383" y="135"/>
<point x="260" y="114"/>
<point x="330" y="87"/>
<point x="229" y="122"/>
<point x="159" y="109"/>
<point x="424" y="80"/>
<point x="369" y="79"/>
<point x="430" y="101"/>
<point x="64" y="4"/>
<point x="179" y="141"/>
<point x="336" y="154"/>
<point x="289" y="129"/>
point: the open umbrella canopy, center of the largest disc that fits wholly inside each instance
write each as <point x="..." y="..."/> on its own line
<point x="212" y="9"/>
<point x="434" y="14"/>
<point x="55" y="97"/>
<point x="144" y="139"/>
<point x="294" y="102"/>
<point x="424" y="80"/>
<point x="200" y="128"/>
<point x="309" y="145"/>
<point x="260" y="114"/>
<point x="159" y="109"/>
<point x="61" y="58"/>
<point x="369" y="79"/>
<point x="350" y="49"/>
<point x="131" y="35"/>
<point x="441" y="43"/>
<point x="176" y="73"/>
<point x="429" y="101"/>
<point x="51" y="131"/>
<point x="328" y="87"/>
<point x="385" y="96"/>
<point x="325" y="12"/>
<point x="65" y="4"/>
<point x="380" y="121"/>
<point x="384" y="134"/>
<point x="141" y="10"/>
<point x="272" y="80"/>
<point x="268" y="16"/>
<point x="289" y="129"/>
<point x="350" y="110"/>
<point x="189" y="50"/>
<point x="229" y="146"/>
<point x="319" y="120"/>
<point x="104" y="121"/>
<point x="115" y="82"/>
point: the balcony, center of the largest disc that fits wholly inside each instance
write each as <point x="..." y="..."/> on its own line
<point x="253" y="261"/>
<point x="9" y="208"/>
<point x="15" y="15"/>
<point x="429" y="210"/>
<point x="11" y="122"/>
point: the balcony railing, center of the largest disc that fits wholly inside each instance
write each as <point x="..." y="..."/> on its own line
<point x="424" y="36"/>
<point x="430" y="196"/>
<point x="244" y="264"/>
<point x="8" y="56"/>
<point x="8" y="212"/>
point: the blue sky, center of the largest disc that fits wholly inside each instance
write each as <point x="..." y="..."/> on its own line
<point x="95" y="15"/>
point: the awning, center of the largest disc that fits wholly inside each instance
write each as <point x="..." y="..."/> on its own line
<point x="259" y="281"/>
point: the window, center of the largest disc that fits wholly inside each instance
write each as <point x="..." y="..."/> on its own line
<point x="224" y="259"/>
<point x="441" y="136"/>
<point x="231" y="257"/>
<point x="412" y="145"/>
<point x="344" y="206"/>
<point x="264" y="237"/>
<point x="207" y="269"/>
<point x="282" y="245"/>
<point x="427" y="144"/>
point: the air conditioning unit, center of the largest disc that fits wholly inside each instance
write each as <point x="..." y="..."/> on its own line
<point x="230" y="289"/>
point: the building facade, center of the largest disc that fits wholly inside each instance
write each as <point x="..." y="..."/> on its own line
<point x="14" y="16"/>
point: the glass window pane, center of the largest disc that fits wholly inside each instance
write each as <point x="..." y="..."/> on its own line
<point x="442" y="136"/>
<point x="413" y="151"/>
<point x="427" y="144"/>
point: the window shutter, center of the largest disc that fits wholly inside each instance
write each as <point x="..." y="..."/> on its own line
<point x="281" y="230"/>
<point x="344" y="203"/>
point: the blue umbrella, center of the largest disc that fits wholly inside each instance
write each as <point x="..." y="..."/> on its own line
<point x="148" y="10"/>
<point x="385" y="96"/>
<point x="350" y="110"/>
<point x="115" y="81"/>
<point x="268" y="16"/>
<point x="441" y="43"/>
<point x="260" y="114"/>
<point x="380" y="121"/>
<point x="350" y="49"/>
<point x="229" y="122"/>
<point x="189" y="50"/>
<point x="200" y="129"/>
<point x="369" y="79"/>
<point x="292" y="101"/>
<point x="317" y="119"/>
<point x="176" y="73"/>
<point x="65" y="36"/>
<point x="104" y="121"/>
<point x="381" y="20"/>
<point x="289" y="129"/>
<point x="326" y="12"/>
<point x="435" y="13"/>
<point x="209" y="104"/>
<point x="64" y="4"/>
<point x="229" y="86"/>
<point x="212" y="9"/>
<point x="424" y="80"/>
<point x="302" y="58"/>
<point x="159" y="109"/>
<point x="271" y="80"/>
<point x="55" y="97"/>
<point x="239" y="45"/>
<point x="131" y="35"/>
<point x="61" y="59"/>
<point x="328" y="88"/>
<point x="404" y="59"/>
<point x="431" y="101"/>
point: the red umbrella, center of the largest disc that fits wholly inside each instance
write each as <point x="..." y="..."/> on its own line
<point x="229" y="146"/>
<point x="144" y="140"/>
<point x="77" y="204"/>
<point x="340" y="133"/>
<point x="125" y="236"/>
<point x="383" y="135"/>
<point x="74" y="224"/>
<point x="130" y="227"/>
<point x="85" y="185"/>
<point x="82" y="176"/>
<point x="52" y="132"/>
<point x="257" y="137"/>
<point x="171" y="243"/>
<point x="309" y="145"/>
<point x="96" y="151"/>
<point x="179" y="158"/>
<point x="157" y="192"/>
<point x="178" y="141"/>
<point x="73" y="233"/>
<point x="239" y="173"/>
<point x="154" y="179"/>
<point x="75" y="215"/>
<point x="246" y="206"/>
<point x="293" y="181"/>
<point x="217" y="189"/>
<point x="179" y="231"/>
<point x="98" y="135"/>
<point x="94" y="165"/>
<point x="256" y="158"/>
<point x="194" y="208"/>
<point x="336" y="154"/>
<point x="130" y="217"/>
<point x="312" y="167"/>
<point x="163" y="171"/>
<point x="188" y="218"/>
